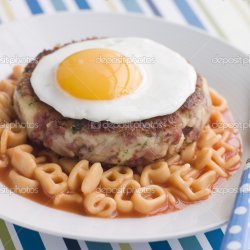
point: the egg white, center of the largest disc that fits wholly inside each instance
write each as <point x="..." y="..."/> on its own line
<point x="166" y="84"/>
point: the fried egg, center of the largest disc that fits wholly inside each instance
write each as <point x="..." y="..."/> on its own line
<point x="114" y="79"/>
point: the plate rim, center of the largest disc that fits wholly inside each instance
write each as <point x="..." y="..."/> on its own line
<point x="128" y="14"/>
<point x="126" y="239"/>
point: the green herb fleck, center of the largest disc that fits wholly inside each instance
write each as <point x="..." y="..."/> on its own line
<point x="76" y="128"/>
<point x="33" y="102"/>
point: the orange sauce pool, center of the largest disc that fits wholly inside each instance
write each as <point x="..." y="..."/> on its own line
<point x="40" y="197"/>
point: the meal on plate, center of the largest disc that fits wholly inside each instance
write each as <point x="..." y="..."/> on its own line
<point x="114" y="127"/>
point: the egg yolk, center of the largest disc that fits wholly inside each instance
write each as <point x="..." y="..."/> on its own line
<point x="98" y="74"/>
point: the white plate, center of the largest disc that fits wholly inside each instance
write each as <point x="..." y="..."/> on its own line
<point x="27" y="38"/>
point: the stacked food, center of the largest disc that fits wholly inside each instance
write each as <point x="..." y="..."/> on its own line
<point x="128" y="125"/>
